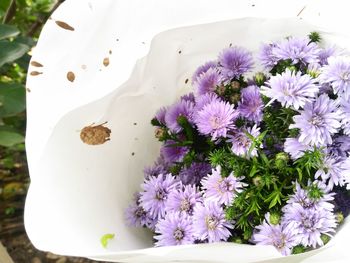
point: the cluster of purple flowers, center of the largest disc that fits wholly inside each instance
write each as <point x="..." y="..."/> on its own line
<point x="186" y="196"/>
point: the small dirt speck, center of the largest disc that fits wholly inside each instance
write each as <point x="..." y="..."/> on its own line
<point x="132" y="153"/>
<point x="135" y="123"/>
<point x="28" y="89"/>
<point x="95" y="135"/>
<point x="105" y="62"/>
<point x="110" y="52"/>
<point x="186" y="81"/>
<point x="180" y="51"/>
<point x="35" y="73"/>
<point x="70" y="76"/>
<point x="64" y="25"/>
<point x="84" y="67"/>
<point x="36" y="64"/>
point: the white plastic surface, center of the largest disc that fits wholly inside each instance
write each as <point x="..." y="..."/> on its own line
<point x="79" y="192"/>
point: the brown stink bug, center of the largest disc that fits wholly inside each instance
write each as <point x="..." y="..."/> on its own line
<point x="95" y="135"/>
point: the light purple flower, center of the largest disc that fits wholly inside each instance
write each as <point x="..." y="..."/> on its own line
<point x="181" y="108"/>
<point x="337" y="73"/>
<point x="299" y="50"/>
<point x="210" y="224"/>
<point x="309" y="224"/>
<point x="160" y="115"/>
<point x="207" y="81"/>
<point x="295" y="148"/>
<point x="188" y="97"/>
<point x="184" y="199"/>
<point x="234" y="62"/>
<point x="175" y="229"/>
<point x="331" y="171"/>
<point x="155" y="193"/>
<point x="194" y="174"/>
<point x="326" y="53"/>
<point x="216" y="119"/>
<point x="221" y="190"/>
<point x="291" y="89"/>
<point x="281" y="237"/>
<point x="251" y="105"/>
<point x="205" y="99"/>
<point x="267" y="57"/>
<point x="173" y="153"/>
<point x="136" y="216"/>
<point x="340" y="146"/>
<point x="345" y="121"/>
<point x="346" y="172"/>
<point x="318" y="121"/>
<point x="241" y="142"/>
<point x="202" y="69"/>
<point x="154" y="170"/>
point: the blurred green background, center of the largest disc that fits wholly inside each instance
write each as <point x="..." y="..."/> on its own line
<point x="21" y="23"/>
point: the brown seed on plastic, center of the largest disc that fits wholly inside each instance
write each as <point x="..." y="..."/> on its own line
<point x="64" y="25"/>
<point x="95" y="135"/>
<point x="70" y="76"/>
<point x="186" y="81"/>
<point x="36" y="64"/>
<point x="106" y="62"/>
<point x="35" y="73"/>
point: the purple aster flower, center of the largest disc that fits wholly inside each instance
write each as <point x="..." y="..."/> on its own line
<point x="175" y="229"/>
<point x="184" y="199"/>
<point x="267" y="57"/>
<point x="346" y="172"/>
<point x="299" y="50"/>
<point x="188" y="97"/>
<point x="207" y="81"/>
<point x="281" y="237"/>
<point x="154" y="170"/>
<point x="309" y="224"/>
<point x="325" y="54"/>
<point x="302" y="197"/>
<point x="345" y="121"/>
<point x="216" y="118"/>
<point x="295" y="148"/>
<point x="173" y="153"/>
<point x="337" y="73"/>
<point x="318" y="121"/>
<point x="136" y="216"/>
<point x="160" y="115"/>
<point x="291" y="89"/>
<point x="331" y="171"/>
<point x="221" y="190"/>
<point x="234" y="62"/>
<point x="210" y="224"/>
<point x="251" y="105"/>
<point x="204" y="68"/>
<point x="241" y="142"/>
<point x="181" y="108"/>
<point x="205" y="99"/>
<point x="194" y="174"/>
<point x="155" y="193"/>
<point x="340" y="146"/>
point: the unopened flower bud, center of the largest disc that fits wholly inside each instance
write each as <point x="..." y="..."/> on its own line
<point x="259" y="78"/>
<point x="221" y="90"/>
<point x="298" y="249"/>
<point x="159" y="133"/>
<point x="325" y="239"/>
<point x="339" y="217"/>
<point x="257" y="181"/>
<point x="275" y="218"/>
<point x="292" y="68"/>
<point x="235" y="98"/>
<point x="238" y="240"/>
<point x="281" y="160"/>
<point x="235" y="85"/>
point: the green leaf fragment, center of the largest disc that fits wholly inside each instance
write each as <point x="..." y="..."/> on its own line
<point x="105" y="239"/>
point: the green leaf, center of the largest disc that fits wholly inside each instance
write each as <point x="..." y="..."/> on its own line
<point x="12" y="99"/>
<point x="7" y="31"/>
<point x="105" y="239"/>
<point x="10" y="51"/>
<point x="8" y="138"/>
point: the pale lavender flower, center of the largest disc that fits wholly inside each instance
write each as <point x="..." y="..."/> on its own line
<point x="155" y="192"/>
<point x="207" y="81"/>
<point x="251" y="105"/>
<point x="241" y="143"/>
<point x="188" y="97"/>
<point x="295" y="148"/>
<point x="210" y="224"/>
<point x="136" y="216"/>
<point x="205" y="99"/>
<point x="184" y="199"/>
<point x="345" y="121"/>
<point x="318" y="122"/>
<point x="202" y="69"/>
<point x="337" y="73"/>
<point x="173" y="153"/>
<point x="216" y="119"/>
<point x="234" y="62"/>
<point x="194" y="174"/>
<point x="302" y="197"/>
<point x="281" y="237"/>
<point x="346" y="172"/>
<point x="181" y="108"/>
<point x="299" y="50"/>
<point x="221" y="190"/>
<point x="291" y="89"/>
<point x="309" y="224"/>
<point x="154" y="170"/>
<point x="326" y="53"/>
<point x="267" y="57"/>
<point x="160" y="115"/>
<point x="340" y="146"/>
<point x="175" y="229"/>
<point x="331" y="171"/>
